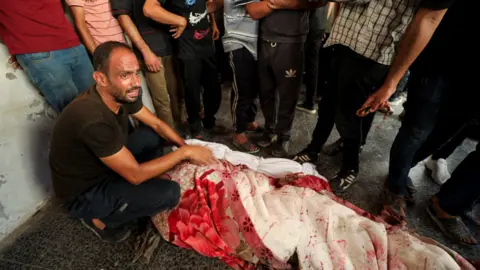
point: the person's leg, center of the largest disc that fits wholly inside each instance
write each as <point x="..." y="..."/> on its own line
<point x="354" y="89"/>
<point x="191" y="75"/>
<point x="52" y="74"/>
<point x="174" y="88"/>
<point x="456" y="197"/>
<point x="287" y="64"/>
<point x="157" y="85"/>
<point x="267" y="92"/>
<point x="312" y="50"/>
<point x="145" y="144"/>
<point x="82" y="69"/>
<point x="212" y="91"/>
<point x="244" y="92"/>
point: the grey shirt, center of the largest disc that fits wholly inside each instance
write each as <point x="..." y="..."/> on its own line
<point x="241" y="31"/>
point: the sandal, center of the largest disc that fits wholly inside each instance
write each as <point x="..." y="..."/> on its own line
<point x="247" y="147"/>
<point x="453" y="228"/>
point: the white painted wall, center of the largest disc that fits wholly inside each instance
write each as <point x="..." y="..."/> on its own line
<point x="24" y="139"/>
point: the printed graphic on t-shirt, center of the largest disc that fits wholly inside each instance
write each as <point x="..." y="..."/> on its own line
<point x="190" y="3"/>
<point x="200" y="34"/>
<point x="195" y="18"/>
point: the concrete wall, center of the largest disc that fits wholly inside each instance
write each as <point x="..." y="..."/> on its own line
<point x="26" y="122"/>
<point x="24" y="139"/>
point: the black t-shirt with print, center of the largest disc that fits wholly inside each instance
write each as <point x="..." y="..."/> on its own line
<point x="156" y="35"/>
<point x="86" y="131"/>
<point x="196" y="41"/>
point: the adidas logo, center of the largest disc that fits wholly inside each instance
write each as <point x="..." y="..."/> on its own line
<point x="290" y="73"/>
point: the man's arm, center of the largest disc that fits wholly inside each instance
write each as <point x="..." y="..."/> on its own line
<point x="153" y="9"/>
<point x="79" y="18"/>
<point x="152" y="62"/>
<point x="415" y="39"/>
<point x="258" y="10"/>
<point x="161" y="128"/>
<point x="296" y="4"/>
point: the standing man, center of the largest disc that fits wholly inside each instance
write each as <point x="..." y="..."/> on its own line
<point x="106" y="176"/>
<point x="95" y="22"/>
<point x="43" y="42"/>
<point x="152" y="44"/>
<point x="195" y="31"/>
<point x="280" y="62"/>
<point x="439" y="74"/>
<point x="359" y="64"/>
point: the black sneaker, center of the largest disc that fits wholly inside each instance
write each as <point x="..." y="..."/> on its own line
<point x="280" y="149"/>
<point x="334" y="148"/>
<point x="107" y="235"/>
<point x="343" y="180"/>
<point x="267" y="140"/>
<point x="308" y="108"/>
<point x="305" y="156"/>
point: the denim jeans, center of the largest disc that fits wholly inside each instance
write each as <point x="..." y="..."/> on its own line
<point x="60" y="75"/>
<point x="117" y="202"/>
<point x="426" y="94"/>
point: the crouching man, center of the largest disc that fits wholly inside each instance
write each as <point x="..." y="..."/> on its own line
<point x="107" y="176"/>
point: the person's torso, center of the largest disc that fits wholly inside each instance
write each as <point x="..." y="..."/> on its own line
<point x="100" y="22"/>
<point x="285" y="26"/>
<point x="373" y="29"/>
<point x="447" y="53"/>
<point x="196" y="41"/>
<point x="156" y="35"/>
<point x="73" y="164"/>
<point x="31" y="26"/>
<point x="240" y="29"/>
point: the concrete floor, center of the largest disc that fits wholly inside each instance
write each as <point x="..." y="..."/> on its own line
<point x="52" y="240"/>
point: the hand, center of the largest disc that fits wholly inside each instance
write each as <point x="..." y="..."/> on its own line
<point x="152" y="61"/>
<point x="14" y="63"/>
<point x="177" y="30"/>
<point x="199" y="155"/>
<point x="215" y="32"/>
<point x="377" y="100"/>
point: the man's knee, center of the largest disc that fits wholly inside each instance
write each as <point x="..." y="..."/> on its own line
<point x="162" y="194"/>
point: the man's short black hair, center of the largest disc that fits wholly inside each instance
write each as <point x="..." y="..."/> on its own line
<point x="101" y="55"/>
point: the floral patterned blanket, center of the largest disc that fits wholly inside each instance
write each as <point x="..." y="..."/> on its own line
<point x="247" y="218"/>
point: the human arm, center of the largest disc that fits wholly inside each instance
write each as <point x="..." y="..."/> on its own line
<point x="153" y="9"/>
<point x="215" y="31"/>
<point x="151" y="60"/>
<point x="258" y="10"/>
<point x="78" y="14"/>
<point x="296" y="4"/>
<point x="415" y="39"/>
<point x="145" y="116"/>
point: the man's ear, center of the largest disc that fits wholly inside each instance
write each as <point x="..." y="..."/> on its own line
<point x="100" y="78"/>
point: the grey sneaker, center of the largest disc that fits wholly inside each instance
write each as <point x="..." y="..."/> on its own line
<point x="267" y="140"/>
<point x="107" y="235"/>
<point x="280" y="149"/>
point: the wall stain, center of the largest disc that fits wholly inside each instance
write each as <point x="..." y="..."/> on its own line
<point x="10" y="76"/>
<point x="35" y="103"/>
<point x="2" y="212"/>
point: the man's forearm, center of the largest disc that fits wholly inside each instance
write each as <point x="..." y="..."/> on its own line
<point x="79" y="19"/>
<point x="415" y="39"/>
<point x="153" y="10"/>
<point x="132" y="32"/>
<point x="258" y="10"/>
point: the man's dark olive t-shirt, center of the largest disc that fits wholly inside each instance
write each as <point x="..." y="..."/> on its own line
<point x="86" y="131"/>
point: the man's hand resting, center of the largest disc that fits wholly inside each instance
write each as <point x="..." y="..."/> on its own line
<point x="198" y="155"/>
<point x="377" y="100"/>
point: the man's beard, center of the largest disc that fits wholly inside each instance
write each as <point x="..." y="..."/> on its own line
<point x="124" y="99"/>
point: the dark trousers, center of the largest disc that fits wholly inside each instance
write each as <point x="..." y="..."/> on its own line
<point x="280" y="68"/>
<point x="426" y="94"/>
<point x="198" y="73"/>
<point x="244" y="88"/>
<point x="461" y="191"/>
<point x="116" y="202"/>
<point x="312" y="53"/>
<point x="352" y="79"/>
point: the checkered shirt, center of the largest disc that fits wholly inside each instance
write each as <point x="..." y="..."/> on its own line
<point x="372" y="28"/>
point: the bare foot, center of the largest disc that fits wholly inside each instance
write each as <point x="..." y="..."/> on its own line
<point x="240" y="138"/>
<point x="253" y="126"/>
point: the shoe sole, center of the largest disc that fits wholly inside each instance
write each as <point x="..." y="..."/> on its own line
<point x="306" y="110"/>
<point x="100" y="237"/>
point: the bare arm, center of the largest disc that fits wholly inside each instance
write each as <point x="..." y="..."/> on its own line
<point x="415" y="39"/>
<point x="258" y="10"/>
<point x="79" y="19"/>
<point x="296" y="4"/>
<point x="160" y="127"/>
<point x="153" y="10"/>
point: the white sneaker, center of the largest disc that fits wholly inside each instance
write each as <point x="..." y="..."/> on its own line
<point x="439" y="170"/>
